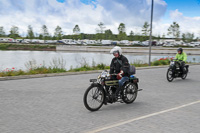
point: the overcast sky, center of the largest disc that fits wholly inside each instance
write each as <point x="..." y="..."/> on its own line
<point x="89" y="13"/>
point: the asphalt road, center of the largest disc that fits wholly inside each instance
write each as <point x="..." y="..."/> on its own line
<point x="55" y="105"/>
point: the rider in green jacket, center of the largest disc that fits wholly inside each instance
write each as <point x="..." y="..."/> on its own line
<point x="182" y="57"/>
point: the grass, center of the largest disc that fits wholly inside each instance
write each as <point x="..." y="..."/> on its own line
<point x="177" y="46"/>
<point x="7" y="46"/>
<point x="139" y="63"/>
<point x="45" y="70"/>
<point x="39" y="70"/>
<point x="90" y="68"/>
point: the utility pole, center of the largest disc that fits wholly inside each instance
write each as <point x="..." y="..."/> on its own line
<point x="150" y="37"/>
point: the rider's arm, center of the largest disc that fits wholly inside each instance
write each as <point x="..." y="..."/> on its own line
<point x="184" y="57"/>
<point x="176" y="56"/>
<point x="125" y="67"/>
<point x="112" y="67"/>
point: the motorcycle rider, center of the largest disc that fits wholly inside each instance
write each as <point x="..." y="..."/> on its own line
<point x="120" y="66"/>
<point x="182" y="57"/>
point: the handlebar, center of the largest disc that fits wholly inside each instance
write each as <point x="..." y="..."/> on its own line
<point x="114" y="74"/>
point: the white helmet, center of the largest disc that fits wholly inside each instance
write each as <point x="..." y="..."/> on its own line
<point x="116" y="49"/>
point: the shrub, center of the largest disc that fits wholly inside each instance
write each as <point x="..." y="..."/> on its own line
<point x="101" y="66"/>
<point x="161" y="61"/>
<point x="156" y="63"/>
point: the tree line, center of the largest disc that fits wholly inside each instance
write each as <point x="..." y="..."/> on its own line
<point x="101" y="33"/>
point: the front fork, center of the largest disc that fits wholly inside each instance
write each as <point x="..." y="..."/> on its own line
<point x="173" y="68"/>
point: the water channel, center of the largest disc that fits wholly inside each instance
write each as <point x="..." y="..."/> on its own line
<point x="18" y="59"/>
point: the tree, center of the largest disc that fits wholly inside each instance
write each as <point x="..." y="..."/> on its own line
<point x="2" y="32"/>
<point x="58" y="33"/>
<point x="163" y="36"/>
<point x="122" y="32"/>
<point x="101" y="28"/>
<point x="30" y="34"/>
<point x="40" y="36"/>
<point x="14" y="32"/>
<point x="121" y="28"/>
<point x="188" y="37"/>
<point x="108" y="35"/>
<point x="131" y="36"/>
<point x="100" y="31"/>
<point x="76" y="29"/>
<point x="44" y="32"/>
<point x="145" y="29"/>
<point x="174" y="30"/>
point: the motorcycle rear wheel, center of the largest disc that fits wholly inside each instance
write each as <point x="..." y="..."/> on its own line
<point x="129" y="93"/>
<point x="93" y="98"/>
<point x="185" y="74"/>
<point x="170" y="77"/>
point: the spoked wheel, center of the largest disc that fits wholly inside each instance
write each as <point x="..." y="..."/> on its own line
<point x="93" y="98"/>
<point x="170" y="75"/>
<point x="185" y="74"/>
<point x="129" y="93"/>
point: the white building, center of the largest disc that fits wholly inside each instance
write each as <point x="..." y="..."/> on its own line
<point x="7" y="40"/>
<point x="106" y="42"/>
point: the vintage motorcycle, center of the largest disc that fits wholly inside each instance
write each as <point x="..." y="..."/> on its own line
<point x="174" y="70"/>
<point x="102" y="91"/>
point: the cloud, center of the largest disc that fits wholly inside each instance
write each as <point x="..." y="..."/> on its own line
<point x="133" y="13"/>
<point x="187" y="24"/>
<point x="68" y="13"/>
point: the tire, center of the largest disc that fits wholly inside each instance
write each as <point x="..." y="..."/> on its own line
<point x="170" y="78"/>
<point x="184" y="75"/>
<point x="94" y="97"/>
<point x="129" y="93"/>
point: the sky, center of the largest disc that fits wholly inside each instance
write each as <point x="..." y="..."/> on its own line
<point x="89" y="13"/>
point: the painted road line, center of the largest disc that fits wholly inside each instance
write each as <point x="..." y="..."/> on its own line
<point x="143" y="117"/>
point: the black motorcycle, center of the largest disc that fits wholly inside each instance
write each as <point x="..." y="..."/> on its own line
<point x="174" y="70"/>
<point x="102" y="91"/>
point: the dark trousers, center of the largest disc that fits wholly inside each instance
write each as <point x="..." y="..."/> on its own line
<point x="181" y="66"/>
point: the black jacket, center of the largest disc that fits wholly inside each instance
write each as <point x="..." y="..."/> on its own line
<point x="119" y="64"/>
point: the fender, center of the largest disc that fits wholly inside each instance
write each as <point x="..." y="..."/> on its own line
<point x="98" y="85"/>
<point x="171" y="67"/>
<point x="136" y="85"/>
<point x="131" y="82"/>
<point x="187" y="67"/>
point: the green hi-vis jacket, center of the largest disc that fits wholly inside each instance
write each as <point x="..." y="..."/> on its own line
<point x="182" y="56"/>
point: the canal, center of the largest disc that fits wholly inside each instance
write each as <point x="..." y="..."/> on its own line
<point x="19" y="59"/>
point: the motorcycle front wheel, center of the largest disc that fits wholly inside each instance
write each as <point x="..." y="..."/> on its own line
<point x="129" y="93"/>
<point x="170" y="75"/>
<point x="93" y="98"/>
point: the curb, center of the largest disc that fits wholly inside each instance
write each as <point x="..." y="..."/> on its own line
<point x="70" y="73"/>
<point x="47" y="75"/>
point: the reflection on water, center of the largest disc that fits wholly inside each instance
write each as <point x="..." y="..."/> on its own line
<point x="18" y="59"/>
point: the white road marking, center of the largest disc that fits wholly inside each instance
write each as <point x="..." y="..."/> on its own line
<point x="143" y="117"/>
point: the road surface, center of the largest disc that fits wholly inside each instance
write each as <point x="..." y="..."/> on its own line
<point x="55" y="105"/>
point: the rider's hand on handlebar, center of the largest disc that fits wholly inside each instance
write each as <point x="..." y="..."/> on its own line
<point x="182" y="61"/>
<point x="119" y="75"/>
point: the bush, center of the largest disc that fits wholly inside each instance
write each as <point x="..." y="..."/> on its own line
<point x="101" y="66"/>
<point x="156" y="63"/>
<point x="161" y="61"/>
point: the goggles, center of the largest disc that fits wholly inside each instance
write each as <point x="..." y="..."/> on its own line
<point x="115" y="52"/>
